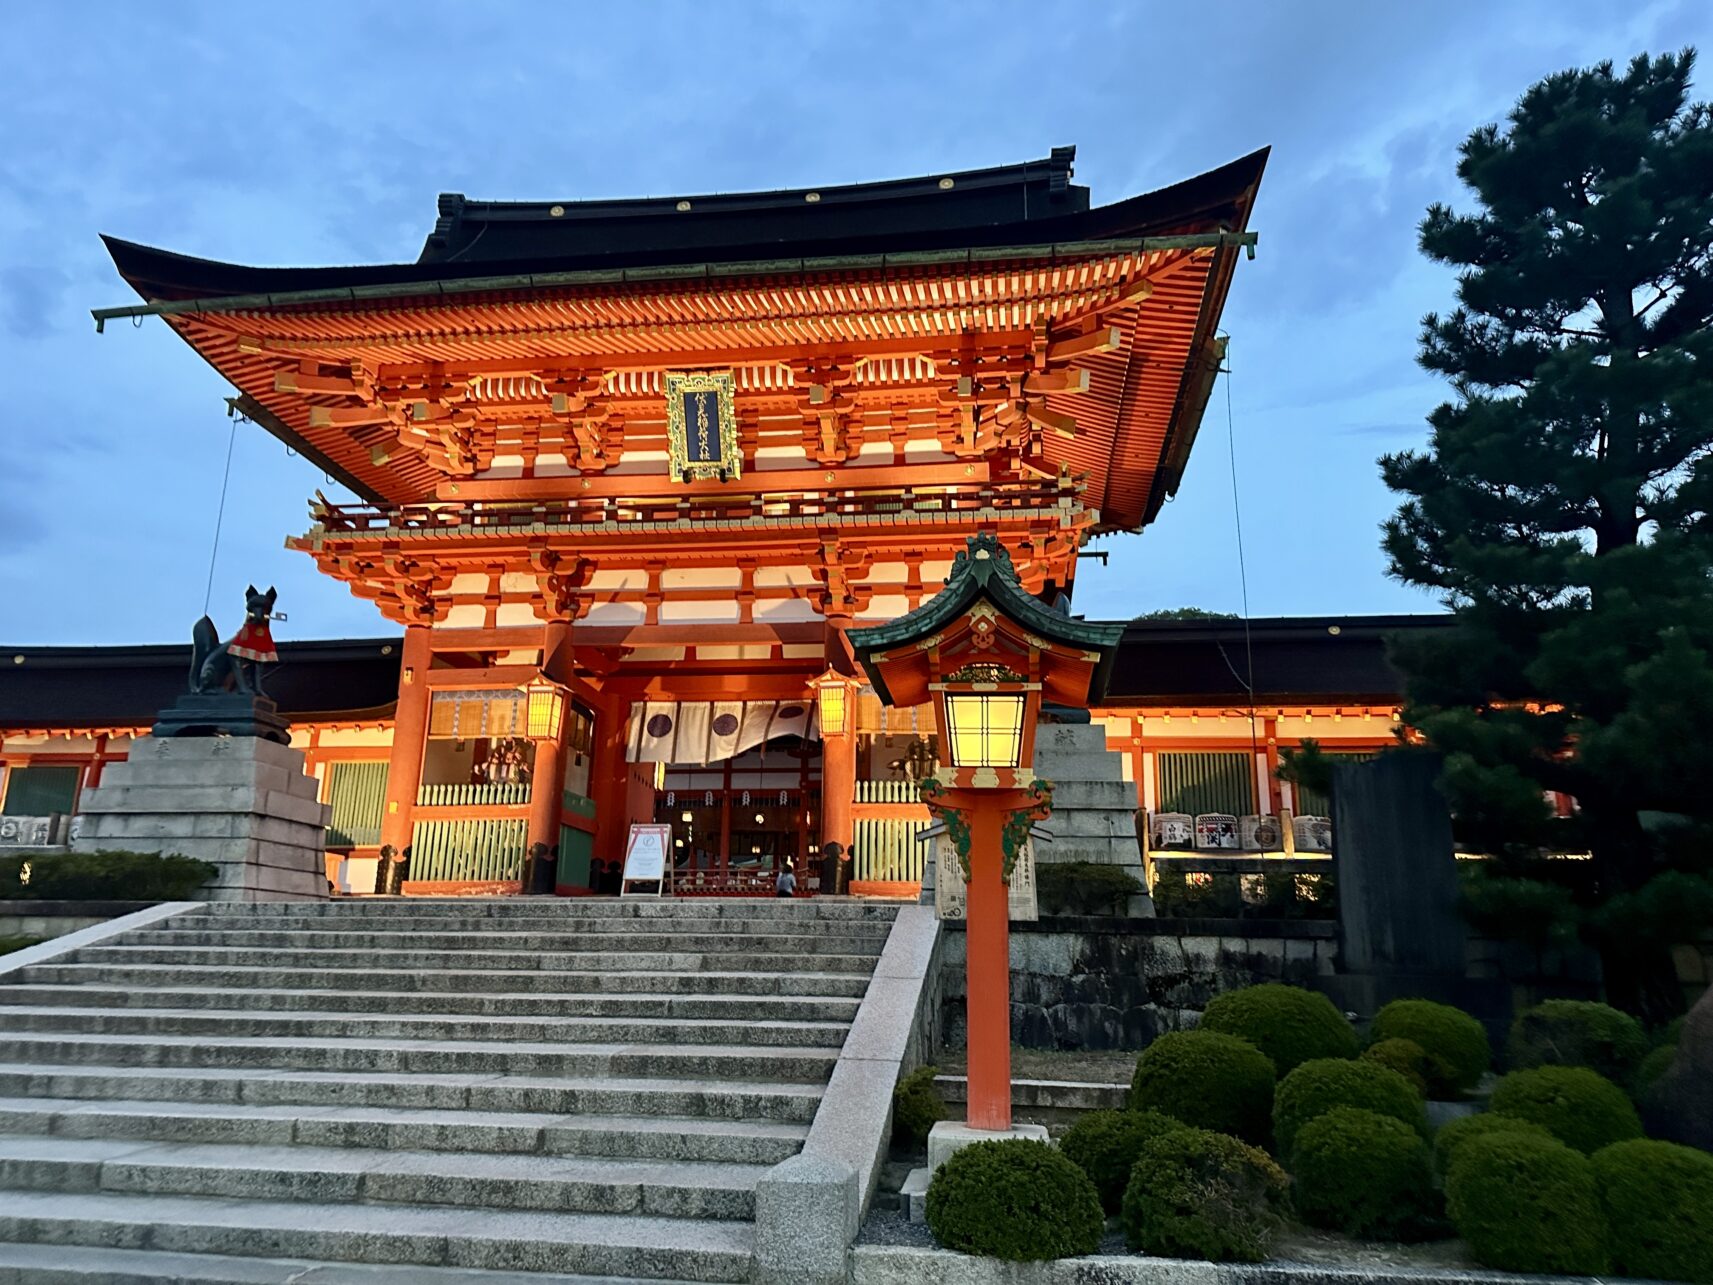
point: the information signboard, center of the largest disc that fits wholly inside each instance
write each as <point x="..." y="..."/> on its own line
<point x="646" y="860"/>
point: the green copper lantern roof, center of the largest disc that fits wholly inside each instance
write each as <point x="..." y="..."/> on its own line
<point x="984" y="570"/>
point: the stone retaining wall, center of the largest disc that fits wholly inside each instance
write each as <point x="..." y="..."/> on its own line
<point x="49" y="919"/>
<point x="1100" y="983"/>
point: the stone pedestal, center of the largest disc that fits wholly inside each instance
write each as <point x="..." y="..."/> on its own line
<point x="241" y="802"/>
<point x="1094" y="807"/>
<point x="951" y="1136"/>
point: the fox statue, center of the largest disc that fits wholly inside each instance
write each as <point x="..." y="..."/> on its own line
<point x="236" y="663"/>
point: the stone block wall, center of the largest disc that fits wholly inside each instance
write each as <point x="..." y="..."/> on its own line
<point x="1101" y="983"/>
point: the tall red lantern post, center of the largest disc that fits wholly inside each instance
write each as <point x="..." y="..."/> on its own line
<point x="987" y="652"/>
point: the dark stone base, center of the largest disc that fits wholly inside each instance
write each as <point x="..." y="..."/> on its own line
<point x="222" y="714"/>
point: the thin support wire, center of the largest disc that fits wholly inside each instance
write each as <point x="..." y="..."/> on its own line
<point x="220" y="518"/>
<point x="1242" y="565"/>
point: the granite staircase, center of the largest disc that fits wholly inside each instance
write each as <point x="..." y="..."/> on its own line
<point x="1094" y="807"/>
<point x="500" y="1090"/>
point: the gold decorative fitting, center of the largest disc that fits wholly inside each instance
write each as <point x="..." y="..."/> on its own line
<point x="557" y="211"/>
<point x="946" y="184"/>
<point x="811" y="197"/>
<point x="682" y="206"/>
<point x="701" y="425"/>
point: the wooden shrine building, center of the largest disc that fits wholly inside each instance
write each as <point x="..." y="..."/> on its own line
<point x="658" y="455"/>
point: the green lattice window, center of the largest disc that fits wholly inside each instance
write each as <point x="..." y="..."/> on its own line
<point x="40" y="791"/>
<point x="358" y="795"/>
<point x="1197" y="783"/>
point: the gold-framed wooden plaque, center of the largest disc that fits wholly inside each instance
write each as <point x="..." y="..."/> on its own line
<point x="702" y="425"/>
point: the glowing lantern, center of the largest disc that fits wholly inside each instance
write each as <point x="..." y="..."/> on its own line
<point x="546" y="708"/>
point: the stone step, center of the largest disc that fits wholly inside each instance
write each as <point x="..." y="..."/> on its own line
<point x="782" y="945"/>
<point x="754" y="1142"/>
<point x="724" y="1008"/>
<point x="92" y="1265"/>
<point x="539" y="962"/>
<point x="1070" y="738"/>
<point x="1070" y="824"/>
<point x="1078" y="765"/>
<point x="458" y="980"/>
<point x="1113" y="795"/>
<point x="568" y="909"/>
<point x="593" y="1185"/>
<point x="403" y="921"/>
<point x="710" y="1098"/>
<point x="1111" y="851"/>
<point x="591" y="1244"/>
<point x="228" y="1024"/>
<point x="525" y="1058"/>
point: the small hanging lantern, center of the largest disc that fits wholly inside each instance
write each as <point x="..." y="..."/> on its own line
<point x="833" y="699"/>
<point x="546" y="708"/>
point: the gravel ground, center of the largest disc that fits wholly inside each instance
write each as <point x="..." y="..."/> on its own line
<point x="893" y="1227"/>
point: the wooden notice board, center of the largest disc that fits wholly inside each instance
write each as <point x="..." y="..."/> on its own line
<point x="647" y="860"/>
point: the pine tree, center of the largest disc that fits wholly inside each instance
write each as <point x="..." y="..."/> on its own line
<point x="1562" y="509"/>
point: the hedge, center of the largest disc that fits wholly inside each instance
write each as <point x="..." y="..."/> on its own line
<point x="1208" y="1080"/>
<point x="1658" y="1199"/>
<point x="1527" y="1204"/>
<point x="1406" y="1057"/>
<point x="1364" y="1174"/>
<point x="1574" y="1032"/>
<point x="1015" y="1199"/>
<point x="1084" y="888"/>
<point x="103" y="876"/>
<point x="1105" y="1144"/>
<point x="1315" y="1088"/>
<point x="1288" y="1024"/>
<point x="916" y="1105"/>
<point x="1455" y="1043"/>
<point x="1197" y="1194"/>
<point x="1449" y="1139"/>
<point x="1577" y="1106"/>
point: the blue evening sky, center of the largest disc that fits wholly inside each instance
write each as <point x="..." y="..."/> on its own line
<point x="319" y="133"/>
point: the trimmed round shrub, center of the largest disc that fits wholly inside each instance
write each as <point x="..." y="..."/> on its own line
<point x="917" y="1105"/>
<point x="1208" y="1080"/>
<point x="1578" y="1107"/>
<point x="1654" y="1065"/>
<point x="1575" y="1032"/>
<point x="1659" y="1207"/>
<point x="1406" y="1057"/>
<point x="1196" y="1194"/>
<point x="1455" y="1043"/>
<point x="1527" y="1204"/>
<point x="1105" y="1144"/>
<point x="1315" y="1088"/>
<point x="1364" y="1174"/>
<point x="1449" y="1139"/>
<point x="1288" y="1024"/>
<point x="1015" y="1199"/>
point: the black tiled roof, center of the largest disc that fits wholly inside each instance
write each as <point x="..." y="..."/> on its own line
<point x="127" y="686"/>
<point x="1032" y="204"/>
<point x="1313" y="659"/>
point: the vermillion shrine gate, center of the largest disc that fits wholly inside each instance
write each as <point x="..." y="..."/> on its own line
<point x="627" y="471"/>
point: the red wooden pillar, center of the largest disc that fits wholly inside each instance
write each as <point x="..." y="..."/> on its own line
<point x="547" y="776"/>
<point x="92" y="776"/>
<point x="988" y="967"/>
<point x="410" y="734"/>
<point x="838" y="788"/>
<point x="609" y="779"/>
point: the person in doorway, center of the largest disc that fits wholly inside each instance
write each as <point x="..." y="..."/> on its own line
<point x="786" y="884"/>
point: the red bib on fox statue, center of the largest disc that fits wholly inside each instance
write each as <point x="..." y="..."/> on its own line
<point x="254" y="642"/>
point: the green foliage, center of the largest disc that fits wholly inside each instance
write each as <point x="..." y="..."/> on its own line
<point x="103" y="876"/>
<point x="1208" y="1080"/>
<point x="10" y="944"/>
<point x="1263" y="896"/>
<point x="1196" y="1194"/>
<point x="1015" y="1199"/>
<point x="1185" y="613"/>
<point x="1527" y="1204"/>
<point x="1573" y="1032"/>
<point x="916" y="1105"/>
<point x="1652" y="1067"/>
<point x="1455" y="1043"/>
<point x="1105" y="1144"/>
<point x="1315" y="1088"/>
<point x="1406" y="1057"/>
<point x="1564" y="505"/>
<point x="1659" y="1205"/>
<point x="1449" y="1138"/>
<point x="1541" y="915"/>
<point x="1364" y="1174"/>
<point x="1307" y="765"/>
<point x="1579" y="1107"/>
<point x="1084" y="888"/>
<point x="1287" y="1023"/>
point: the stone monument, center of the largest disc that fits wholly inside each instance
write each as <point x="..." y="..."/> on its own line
<point x="217" y="778"/>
